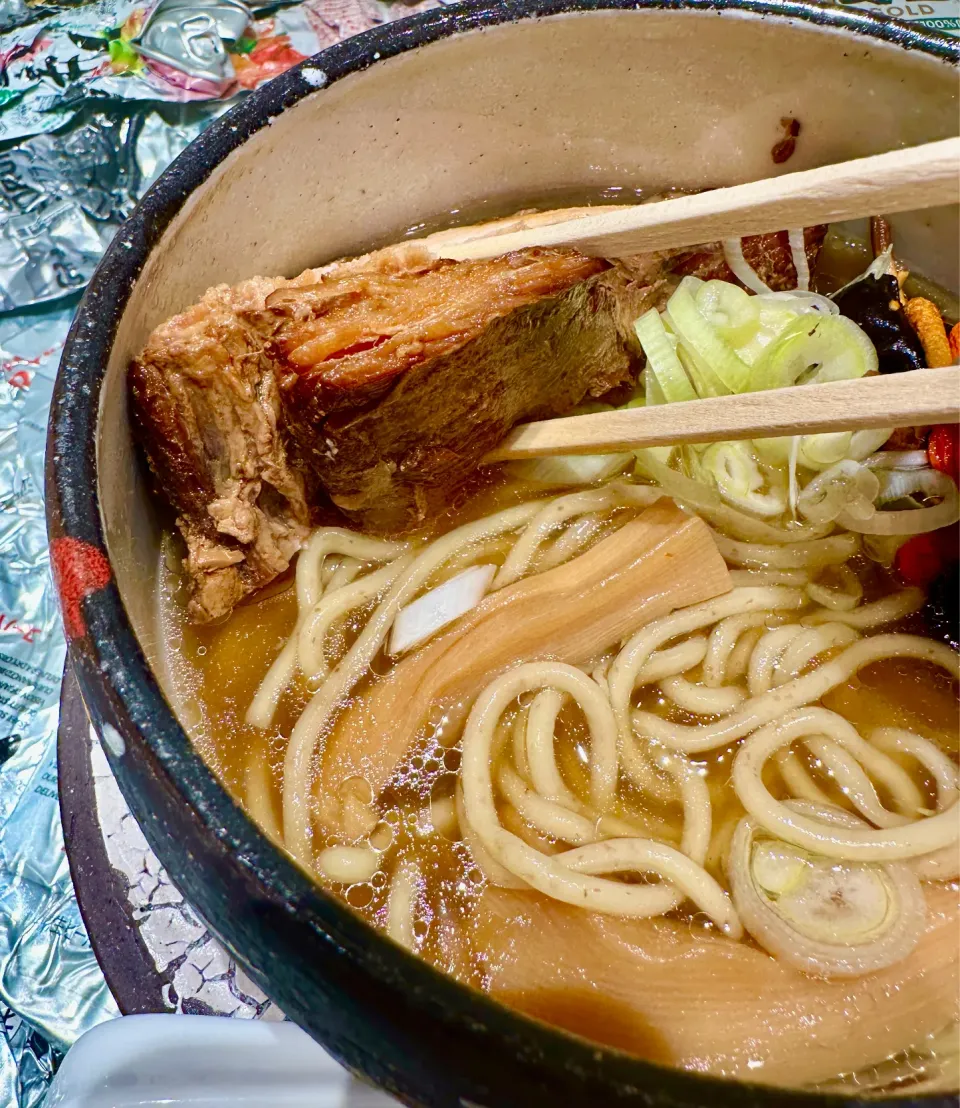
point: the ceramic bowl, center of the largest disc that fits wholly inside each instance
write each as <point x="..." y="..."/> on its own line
<point x="473" y="108"/>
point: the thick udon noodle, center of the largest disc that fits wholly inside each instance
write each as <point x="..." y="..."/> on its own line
<point x="740" y="679"/>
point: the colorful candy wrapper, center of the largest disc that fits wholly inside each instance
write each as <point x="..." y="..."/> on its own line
<point x="174" y="51"/>
<point x="929" y="15"/>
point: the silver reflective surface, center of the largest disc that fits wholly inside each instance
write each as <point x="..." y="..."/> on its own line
<point x="51" y="989"/>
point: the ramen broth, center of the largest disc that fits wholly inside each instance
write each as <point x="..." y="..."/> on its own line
<point x="225" y="664"/>
<point x="415" y="873"/>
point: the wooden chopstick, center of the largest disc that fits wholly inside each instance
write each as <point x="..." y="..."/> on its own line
<point x="902" y="180"/>
<point x="908" y="399"/>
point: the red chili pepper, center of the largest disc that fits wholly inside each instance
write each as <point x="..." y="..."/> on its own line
<point x="922" y="559"/>
<point x="943" y="449"/>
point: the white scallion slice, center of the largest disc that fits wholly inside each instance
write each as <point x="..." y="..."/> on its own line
<point x="820" y="452"/>
<point x="798" y="251"/>
<point x="708" y="351"/>
<point x="864" y="443"/>
<point x="653" y="396"/>
<point x="910" y="521"/>
<point x="814" y="350"/>
<point x="822" y="915"/>
<point x="740" y="267"/>
<point x="800" y="301"/>
<point x="705" y="381"/>
<point x="733" y="314"/>
<point x="734" y="470"/>
<point x="662" y="361"/>
<point x="570" y="469"/>
<point x="775" y="315"/>
<point x="897" y="484"/>
<point x="425" y="616"/>
<point x="846" y="487"/>
<point x="824" y="450"/>
<point x="899" y="459"/>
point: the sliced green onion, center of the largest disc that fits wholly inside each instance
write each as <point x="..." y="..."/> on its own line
<point x="801" y="301"/>
<point x="705" y="381"/>
<point x="821" y="451"/>
<point x="798" y="251"/>
<point x="707" y="501"/>
<point x="814" y="350"/>
<point x="733" y="314"/>
<point x="713" y="339"/>
<point x="570" y="469"/>
<point x="734" y="470"/>
<point x="900" y="484"/>
<point x="775" y="451"/>
<point x="850" y="493"/>
<point x="663" y="365"/>
<point x="864" y="443"/>
<point x="825" y="450"/>
<point x="775" y="315"/>
<point x="822" y="915"/>
<point x="653" y="396"/>
<point x="846" y="487"/>
<point x="792" y="483"/>
<point x="899" y="459"/>
<point x="652" y="393"/>
<point x="705" y="347"/>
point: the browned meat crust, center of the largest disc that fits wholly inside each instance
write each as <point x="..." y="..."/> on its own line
<point x="769" y="255"/>
<point x="378" y="383"/>
<point x="390" y="432"/>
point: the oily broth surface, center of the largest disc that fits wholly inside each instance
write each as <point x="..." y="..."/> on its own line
<point x="226" y="663"/>
<point x="223" y="664"/>
<point x="220" y="668"/>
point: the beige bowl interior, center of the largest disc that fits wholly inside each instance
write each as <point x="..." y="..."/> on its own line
<point x="575" y="102"/>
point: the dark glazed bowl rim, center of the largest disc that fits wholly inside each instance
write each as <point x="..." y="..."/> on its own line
<point x="119" y="686"/>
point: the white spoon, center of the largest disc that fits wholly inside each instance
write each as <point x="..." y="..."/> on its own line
<point x="192" y="1061"/>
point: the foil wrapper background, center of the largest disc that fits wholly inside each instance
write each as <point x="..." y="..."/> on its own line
<point x="96" y="98"/>
<point x="62" y="196"/>
<point x="51" y="989"/>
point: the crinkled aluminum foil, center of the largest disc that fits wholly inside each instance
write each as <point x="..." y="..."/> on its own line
<point x="27" y="1062"/>
<point x="86" y="131"/>
<point x="96" y="99"/>
<point x="51" y="989"/>
<point x="63" y="196"/>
